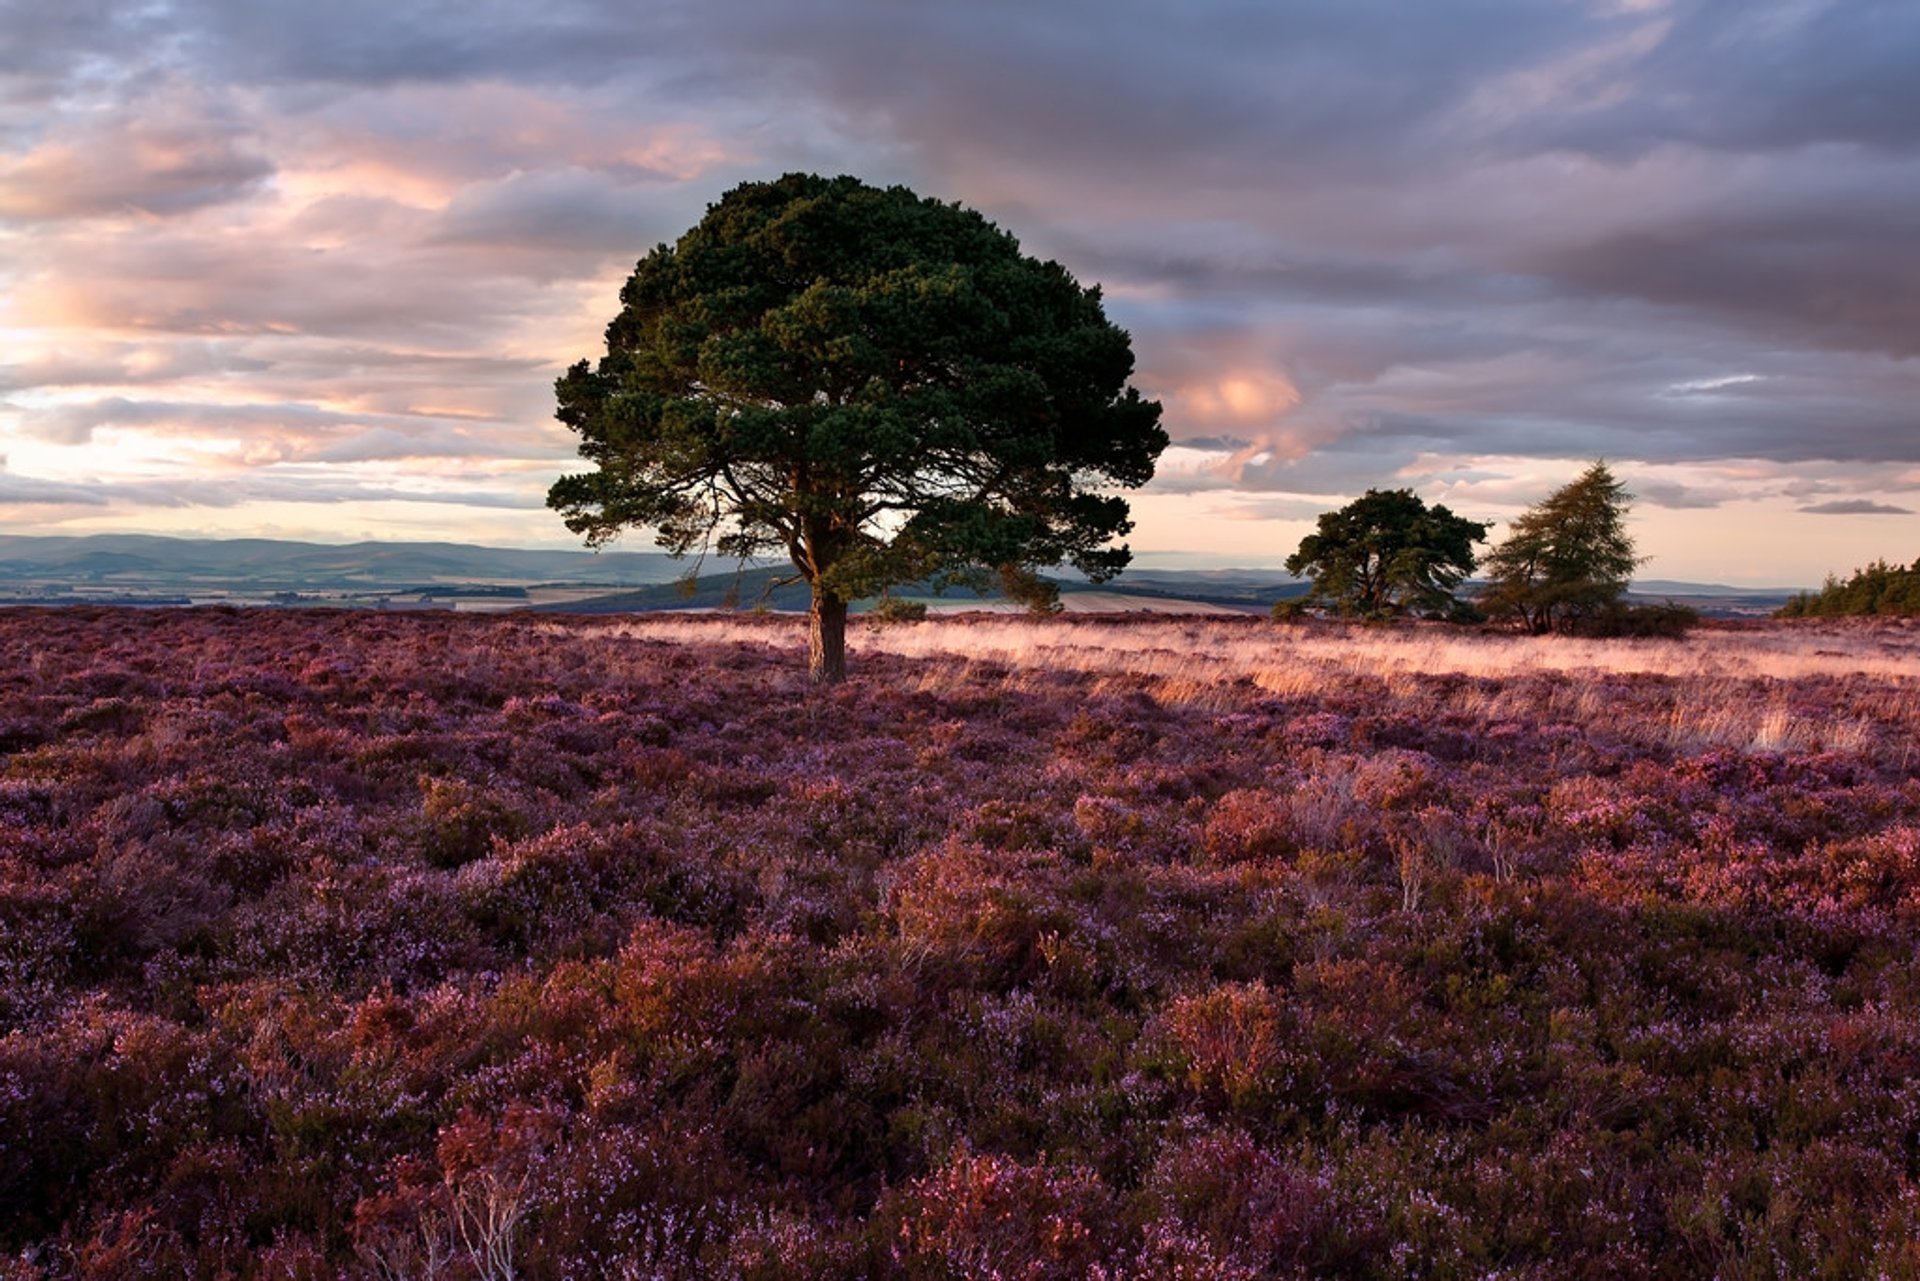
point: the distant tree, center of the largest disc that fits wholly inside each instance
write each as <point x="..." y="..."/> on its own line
<point x="1565" y="559"/>
<point x="1386" y="553"/>
<point x="876" y="386"/>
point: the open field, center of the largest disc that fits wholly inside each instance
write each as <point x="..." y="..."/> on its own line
<point x="364" y="944"/>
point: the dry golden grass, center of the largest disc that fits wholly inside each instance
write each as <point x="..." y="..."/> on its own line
<point x="1283" y="658"/>
<point x="1753" y="687"/>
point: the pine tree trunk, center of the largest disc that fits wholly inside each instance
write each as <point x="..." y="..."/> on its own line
<point x="827" y="638"/>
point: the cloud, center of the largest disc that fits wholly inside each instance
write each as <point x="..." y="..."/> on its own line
<point x="1856" y="507"/>
<point x="167" y="150"/>
<point x="233" y="435"/>
<point x="1355" y="242"/>
<point x="275" y="484"/>
<point x="379" y="43"/>
<point x="1678" y="497"/>
<point x="555" y="217"/>
<point x="1771" y="75"/>
<point x="1218" y="94"/>
<point x="1832" y="270"/>
<point x="122" y="364"/>
<point x="29" y="491"/>
<point x="51" y="45"/>
<point x="1267" y="509"/>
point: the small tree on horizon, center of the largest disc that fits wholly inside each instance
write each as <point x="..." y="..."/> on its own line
<point x="876" y="386"/>
<point x="1565" y="559"/>
<point x="1386" y="553"/>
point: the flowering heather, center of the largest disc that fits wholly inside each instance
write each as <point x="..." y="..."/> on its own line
<point x="436" y="945"/>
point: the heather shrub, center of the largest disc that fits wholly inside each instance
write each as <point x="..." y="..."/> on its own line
<point x="1619" y="620"/>
<point x="1224" y="1206"/>
<point x="1234" y="1042"/>
<point x="1014" y="825"/>
<point x="559" y="893"/>
<point x="961" y="901"/>
<point x="986" y="1215"/>
<point x="1248" y="824"/>
<point x="464" y="819"/>
<point x="38" y="946"/>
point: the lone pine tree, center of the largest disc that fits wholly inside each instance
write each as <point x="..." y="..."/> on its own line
<point x="877" y="386"/>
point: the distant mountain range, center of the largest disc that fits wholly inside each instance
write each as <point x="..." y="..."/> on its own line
<point x="149" y="569"/>
<point x="264" y="564"/>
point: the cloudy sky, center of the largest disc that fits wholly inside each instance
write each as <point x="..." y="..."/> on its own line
<point x="309" y="270"/>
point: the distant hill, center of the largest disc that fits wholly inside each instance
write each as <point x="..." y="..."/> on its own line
<point x="1712" y="600"/>
<point x="746" y="590"/>
<point x="1237" y="587"/>
<point x="149" y="569"/>
<point x="261" y="564"/>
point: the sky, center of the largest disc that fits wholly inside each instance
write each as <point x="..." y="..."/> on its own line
<point x="309" y="270"/>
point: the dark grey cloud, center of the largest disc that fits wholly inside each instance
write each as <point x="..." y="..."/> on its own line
<point x="377" y="42"/>
<point x="1193" y="96"/>
<point x="1837" y="275"/>
<point x="1767" y="75"/>
<point x="50" y="45"/>
<point x="559" y="216"/>
<point x="280" y="484"/>
<point x="1678" y="497"/>
<point x="1856" y="507"/>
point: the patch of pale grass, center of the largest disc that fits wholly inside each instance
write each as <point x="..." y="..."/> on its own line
<point x="1289" y="660"/>
<point x="1300" y="659"/>
<point x="1726" y="716"/>
<point x="1729" y="687"/>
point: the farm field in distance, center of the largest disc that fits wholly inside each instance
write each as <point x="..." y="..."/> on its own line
<point x="458" y="945"/>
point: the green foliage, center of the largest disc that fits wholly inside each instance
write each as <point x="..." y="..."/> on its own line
<point x="1565" y="559"/>
<point x="1027" y="589"/>
<point x="895" y="609"/>
<point x="1880" y="588"/>
<point x="1385" y="553"/>
<point x="877" y="386"/>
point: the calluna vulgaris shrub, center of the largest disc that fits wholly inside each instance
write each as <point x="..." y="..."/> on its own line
<point x="364" y="945"/>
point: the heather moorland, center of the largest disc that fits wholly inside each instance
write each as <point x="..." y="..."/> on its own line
<point x="436" y="945"/>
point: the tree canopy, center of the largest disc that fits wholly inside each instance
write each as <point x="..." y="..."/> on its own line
<point x="877" y="386"/>
<point x="1565" y="559"/>
<point x="1387" y="553"/>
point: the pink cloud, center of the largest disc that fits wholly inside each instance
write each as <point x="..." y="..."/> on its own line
<point x="167" y="152"/>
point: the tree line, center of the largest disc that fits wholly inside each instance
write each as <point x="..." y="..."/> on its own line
<point x="1564" y="566"/>
<point x="1879" y="589"/>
